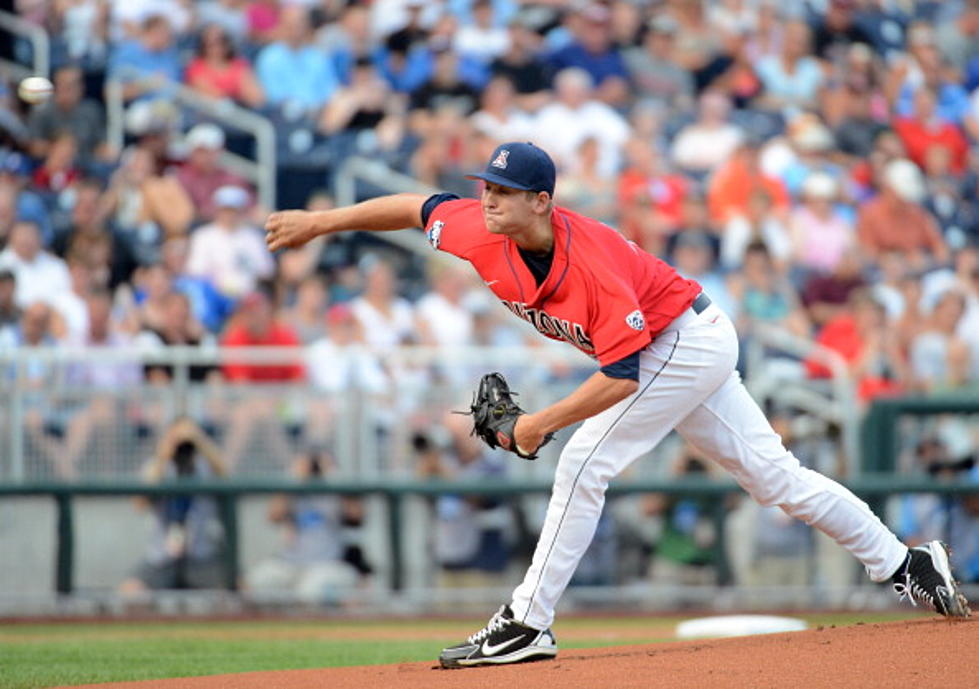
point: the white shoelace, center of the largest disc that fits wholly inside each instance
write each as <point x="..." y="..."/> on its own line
<point x="913" y="592"/>
<point x="497" y="622"/>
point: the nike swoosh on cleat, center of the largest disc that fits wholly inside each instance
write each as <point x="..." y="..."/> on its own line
<point x="490" y="650"/>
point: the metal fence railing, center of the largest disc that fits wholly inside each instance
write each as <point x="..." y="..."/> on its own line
<point x="261" y="171"/>
<point x="40" y="46"/>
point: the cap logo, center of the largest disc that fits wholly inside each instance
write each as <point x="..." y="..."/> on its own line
<point x="501" y="158"/>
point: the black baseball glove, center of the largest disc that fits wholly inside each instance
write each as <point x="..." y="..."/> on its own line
<point x="495" y="415"/>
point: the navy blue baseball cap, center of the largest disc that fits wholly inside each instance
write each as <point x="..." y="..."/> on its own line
<point x="519" y="166"/>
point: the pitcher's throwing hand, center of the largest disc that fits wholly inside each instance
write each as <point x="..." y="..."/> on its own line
<point x="290" y="229"/>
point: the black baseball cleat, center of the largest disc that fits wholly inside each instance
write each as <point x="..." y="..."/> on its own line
<point x="926" y="576"/>
<point x="503" y="640"/>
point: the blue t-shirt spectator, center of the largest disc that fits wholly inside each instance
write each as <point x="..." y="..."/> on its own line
<point x="952" y="103"/>
<point x="305" y="75"/>
<point x="134" y="55"/>
<point x="600" y="66"/>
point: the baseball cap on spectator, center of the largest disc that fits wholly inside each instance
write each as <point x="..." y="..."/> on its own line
<point x="521" y="166"/>
<point x="7" y="274"/>
<point x="207" y="136"/>
<point x="231" y="196"/>
<point x="905" y="179"/>
<point x="819" y="185"/>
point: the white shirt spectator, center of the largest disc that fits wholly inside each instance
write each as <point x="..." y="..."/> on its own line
<point x="562" y="129"/>
<point x="484" y="44"/>
<point x="451" y="324"/>
<point x="701" y="149"/>
<point x="233" y="259"/>
<point x="43" y="279"/>
<point x="516" y="126"/>
<point x="336" y="369"/>
<point x="384" y="330"/>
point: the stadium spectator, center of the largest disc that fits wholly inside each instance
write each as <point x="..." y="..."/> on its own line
<point x="653" y="70"/>
<point x="591" y="49"/>
<point x="292" y="71"/>
<point x="765" y="296"/>
<point x="59" y="170"/>
<point x="348" y="38"/>
<point x="838" y="31"/>
<point x="145" y="208"/>
<point x="792" y="79"/>
<point x="41" y="276"/>
<point x="317" y="562"/>
<point x="17" y="202"/>
<point x="202" y="174"/>
<point x="820" y="233"/>
<point x="498" y="116"/>
<point x="177" y="328"/>
<point x="583" y="188"/>
<point x="826" y="296"/>
<point x="577" y="114"/>
<point x="446" y="89"/>
<point x="305" y="315"/>
<point x="860" y="335"/>
<point x="229" y="251"/>
<point x="79" y="32"/>
<point x="335" y="362"/>
<point x="650" y="198"/>
<point x="386" y="319"/>
<point x="735" y="182"/>
<point x="217" y="71"/>
<point x="939" y="358"/>
<point x="257" y="426"/>
<point x="522" y="64"/>
<point x="147" y="65"/>
<point x="701" y="146"/>
<point x="761" y="222"/>
<point x="482" y="38"/>
<point x="896" y="220"/>
<point x="187" y="546"/>
<point x="441" y="317"/>
<point x="925" y="130"/>
<point x="694" y="255"/>
<point x="69" y="111"/>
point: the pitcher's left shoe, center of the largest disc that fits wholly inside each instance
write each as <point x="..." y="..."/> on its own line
<point x="503" y="640"/>
<point x="926" y="577"/>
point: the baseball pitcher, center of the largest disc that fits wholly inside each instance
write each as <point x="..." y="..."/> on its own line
<point x="666" y="358"/>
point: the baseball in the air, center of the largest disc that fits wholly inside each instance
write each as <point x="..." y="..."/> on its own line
<point x="35" y="90"/>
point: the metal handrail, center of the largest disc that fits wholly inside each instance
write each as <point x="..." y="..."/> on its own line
<point x="262" y="171"/>
<point x="40" y="46"/>
<point x="843" y="387"/>
<point x="377" y="173"/>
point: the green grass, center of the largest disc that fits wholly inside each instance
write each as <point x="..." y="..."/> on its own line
<point x="43" y="655"/>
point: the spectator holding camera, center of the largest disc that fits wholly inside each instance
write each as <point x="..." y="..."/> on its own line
<point x="187" y="546"/>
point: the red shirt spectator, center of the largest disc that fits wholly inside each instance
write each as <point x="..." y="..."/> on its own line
<point x="926" y="129"/>
<point x="217" y="72"/>
<point x="256" y="327"/>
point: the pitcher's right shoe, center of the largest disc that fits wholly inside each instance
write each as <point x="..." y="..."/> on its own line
<point x="503" y="640"/>
<point x="926" y="576"/>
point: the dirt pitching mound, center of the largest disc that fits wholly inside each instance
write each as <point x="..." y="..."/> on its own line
<point x="920" y="654"/>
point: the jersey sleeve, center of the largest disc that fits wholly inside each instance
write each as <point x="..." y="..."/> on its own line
<point x="618" y="327"/>
<point x="456" y="226"/>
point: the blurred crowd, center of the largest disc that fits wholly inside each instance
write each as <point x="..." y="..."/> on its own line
<point x="812" y="163"/>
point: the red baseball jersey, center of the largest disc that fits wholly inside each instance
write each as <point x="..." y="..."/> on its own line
<point x="603" y="294"/>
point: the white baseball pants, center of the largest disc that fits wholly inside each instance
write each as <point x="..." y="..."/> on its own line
<point x="687" y="381"/>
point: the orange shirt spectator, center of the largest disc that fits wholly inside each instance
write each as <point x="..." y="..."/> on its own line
<point x="733" y="185"/>
<point x="256" y="327"/>
<point x="894" y="220"/>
